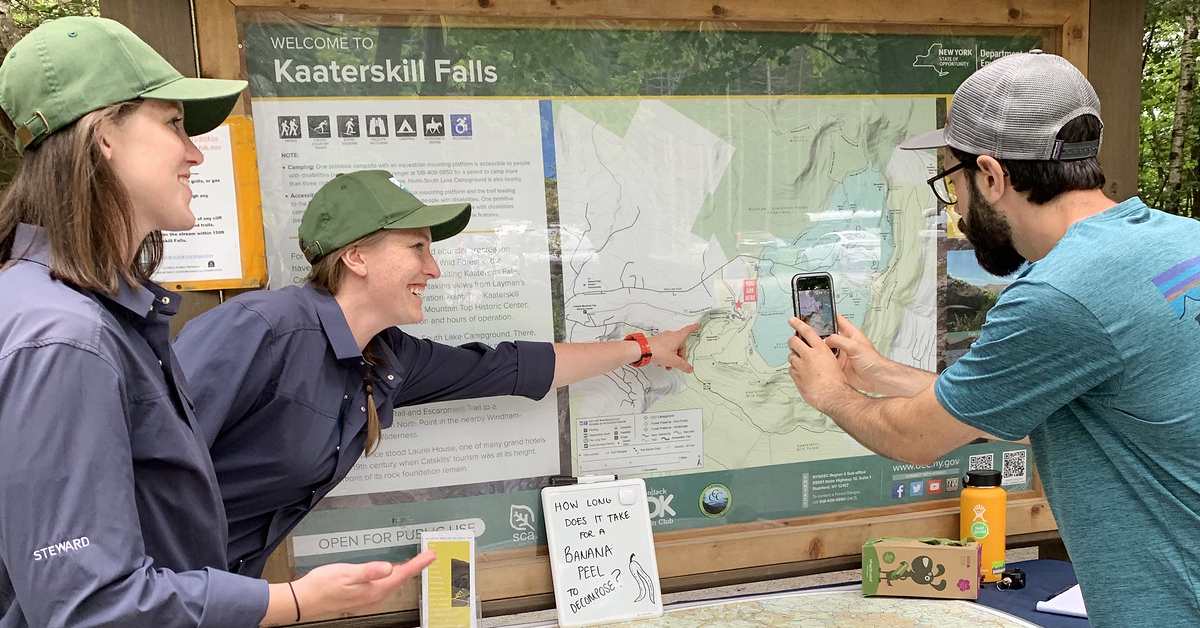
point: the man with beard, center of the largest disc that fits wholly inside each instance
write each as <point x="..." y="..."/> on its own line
<point x="1089" y="352"/>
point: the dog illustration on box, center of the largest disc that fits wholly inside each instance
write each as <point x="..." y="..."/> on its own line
<point x="921" y="572"/>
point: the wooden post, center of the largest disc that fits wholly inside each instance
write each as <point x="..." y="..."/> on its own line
<point x="166" y="25"/>
<point x="1116" y="73"/>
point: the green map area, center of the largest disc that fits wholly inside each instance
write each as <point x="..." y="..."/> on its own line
<point x="738" y="195"/>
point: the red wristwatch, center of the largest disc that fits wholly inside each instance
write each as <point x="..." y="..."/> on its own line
<point x="640" y="338"/>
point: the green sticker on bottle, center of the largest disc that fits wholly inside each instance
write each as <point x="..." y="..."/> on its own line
<point x="979" y="530"/>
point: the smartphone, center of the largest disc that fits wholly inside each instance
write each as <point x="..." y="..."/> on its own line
<point x="812" y="298"/>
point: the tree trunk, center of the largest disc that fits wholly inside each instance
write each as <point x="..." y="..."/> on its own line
<point x="1194" y="208"/>
<point x="1183" y="106"/>
<point x="1148" y="44"/>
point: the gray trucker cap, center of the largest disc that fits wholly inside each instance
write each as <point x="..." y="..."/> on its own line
<point x="1014" y="107"/>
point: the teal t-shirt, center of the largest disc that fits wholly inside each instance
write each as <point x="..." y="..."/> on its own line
<point x="1094" y="353"/>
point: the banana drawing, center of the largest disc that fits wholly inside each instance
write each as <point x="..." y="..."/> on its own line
<point x="645" y="585"/>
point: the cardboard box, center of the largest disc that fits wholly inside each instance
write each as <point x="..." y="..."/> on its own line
<point x="941" y="568"/>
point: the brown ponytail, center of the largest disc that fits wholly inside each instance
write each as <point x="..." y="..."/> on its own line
<point x="374" y="431"/>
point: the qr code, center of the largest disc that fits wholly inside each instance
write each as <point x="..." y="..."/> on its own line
<point x="981" y="462"/>
<point x="1014" y="467"/>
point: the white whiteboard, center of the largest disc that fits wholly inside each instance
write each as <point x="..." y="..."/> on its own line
<point x="601" y="552"/>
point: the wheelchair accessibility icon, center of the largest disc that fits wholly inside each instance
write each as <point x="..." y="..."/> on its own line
<point x="460" y="125"/>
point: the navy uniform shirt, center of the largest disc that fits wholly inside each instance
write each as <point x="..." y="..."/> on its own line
<point x="278" y="382"/>
<point x="109" y="508"/>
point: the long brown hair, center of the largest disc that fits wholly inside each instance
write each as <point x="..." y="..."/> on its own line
<point x="327" y="274"/>
<point x="66" y="186"/>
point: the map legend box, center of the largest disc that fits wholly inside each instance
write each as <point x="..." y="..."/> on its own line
<point x="642" y="443"/>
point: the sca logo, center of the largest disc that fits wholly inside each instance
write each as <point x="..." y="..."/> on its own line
<point x="521" y="519"/>
<point x="661" y="511"/>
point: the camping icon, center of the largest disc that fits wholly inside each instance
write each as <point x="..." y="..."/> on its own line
<point x="406" y="125"/>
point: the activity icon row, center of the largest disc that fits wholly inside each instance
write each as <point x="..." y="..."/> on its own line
<point x="431" y="125"/>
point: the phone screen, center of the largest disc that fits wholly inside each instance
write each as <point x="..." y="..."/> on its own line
<point x="813" y="298"/>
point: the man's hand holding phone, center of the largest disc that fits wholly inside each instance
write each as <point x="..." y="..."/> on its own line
<point x="815" y="370"/>
<point x="858" y="358"/>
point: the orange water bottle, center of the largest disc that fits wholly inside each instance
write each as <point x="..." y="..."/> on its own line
<point x="982" y="508"/>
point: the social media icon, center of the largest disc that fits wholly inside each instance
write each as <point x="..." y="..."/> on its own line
<point x="916" y="488"/>
<point x="898" y="490"/>
<point x="934" y="486"/>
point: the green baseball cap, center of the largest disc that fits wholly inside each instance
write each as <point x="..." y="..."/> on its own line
<point x="357" y="204"/>
<point x="69" y="67"/>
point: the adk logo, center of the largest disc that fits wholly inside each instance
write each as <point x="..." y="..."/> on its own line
<point x="661" y="511"/>
<point x="521" y="518"/>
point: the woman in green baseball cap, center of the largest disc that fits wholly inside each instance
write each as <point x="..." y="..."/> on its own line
<point x="319" y="368"/>
<point x="109" y="508"/>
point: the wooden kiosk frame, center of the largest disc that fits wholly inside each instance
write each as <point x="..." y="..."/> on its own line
<point x="517" y="580"/>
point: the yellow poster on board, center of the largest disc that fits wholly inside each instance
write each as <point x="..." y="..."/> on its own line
<point x="225" y="248"/>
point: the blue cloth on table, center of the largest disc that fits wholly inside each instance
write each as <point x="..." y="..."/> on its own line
<point x="1043" y="579"/>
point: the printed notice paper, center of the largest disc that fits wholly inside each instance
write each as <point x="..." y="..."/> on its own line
<point x="212" y="248"/>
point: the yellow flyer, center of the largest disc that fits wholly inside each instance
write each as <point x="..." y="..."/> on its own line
<point x="448" y="597"/>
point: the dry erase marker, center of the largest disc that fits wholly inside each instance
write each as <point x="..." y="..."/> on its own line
<point x="567" y="480"/>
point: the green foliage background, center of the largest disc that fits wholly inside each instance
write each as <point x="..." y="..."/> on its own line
<point x="1162" y="44"/>
<point x="1161" y="52"/>
<point x="18" y="17"/>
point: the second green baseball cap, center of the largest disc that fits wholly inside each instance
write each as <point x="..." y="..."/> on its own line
<point x="69" y="67"/>
<point x="357" y="204"/>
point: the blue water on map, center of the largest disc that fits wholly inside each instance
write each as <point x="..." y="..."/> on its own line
<point x="844" y="241"/>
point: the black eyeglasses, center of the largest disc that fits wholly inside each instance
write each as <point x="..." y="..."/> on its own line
<point x="942" y="188"/>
